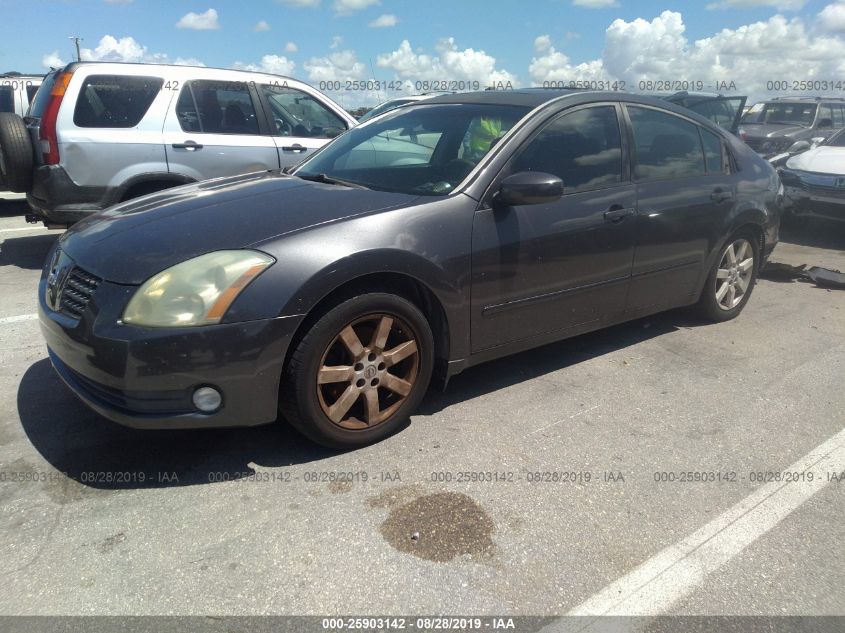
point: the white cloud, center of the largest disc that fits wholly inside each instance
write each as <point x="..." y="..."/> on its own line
<point x="119" y="1"/>
<point x="831" y="19"/>
<point x="337" y="40"/>
<point x="338" y="66"/>
<point x="52" y="60"/>
<point x="206" y="21"/>
<point x="595" y="4"/>
<point x="124" y="49"/>
<point x="658" y="49"/>
<point x="300" y="3"/>
<point x="291" y="47"/>
<point x="261" y="26"/>
<point x="273" y="64"/>
<point x="542" y="43"/>
<point x="449" y="64"/>
<point x="384" y="21"/>
<point x="780" y="5"/>
<point x="346" y="7"/>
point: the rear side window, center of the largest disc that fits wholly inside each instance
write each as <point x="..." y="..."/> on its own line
<point x="582" y="148"/>
<point x="666" y="146"/>
<point x="216" y="107"/>
<point x="713" y="152"/>
<point x="7" y="99"/>
<point x="114" y="101"/>
<point x="297" y="113"/>
<point x="42" y="97"/>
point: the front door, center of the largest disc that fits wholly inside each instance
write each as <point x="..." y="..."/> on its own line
<point x="545" y="268"/>
<point x="215" y="130"/>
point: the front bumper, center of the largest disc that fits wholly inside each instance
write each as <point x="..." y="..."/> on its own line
<point x="56" y="198"/>
<point x="814" y="194"/>
<point x="145" y="377"/>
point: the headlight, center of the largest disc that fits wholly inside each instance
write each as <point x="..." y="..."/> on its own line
<point x="195" y="292"/>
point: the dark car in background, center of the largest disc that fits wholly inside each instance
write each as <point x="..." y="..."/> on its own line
<point x="772" y="127"/>
<point x="436" y="237"/>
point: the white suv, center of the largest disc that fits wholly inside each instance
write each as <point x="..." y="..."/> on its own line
<point x="17" y="91"/>
<point x="102" y="133"/>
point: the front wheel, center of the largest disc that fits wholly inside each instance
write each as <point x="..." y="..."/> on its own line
<point x="359" y="372"/>
<point x="731" y="279"/>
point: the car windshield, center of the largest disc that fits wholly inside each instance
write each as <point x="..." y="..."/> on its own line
<point x="419" y="150"/>
<point x="780" y="112"/>
<point x="837" y="140"/>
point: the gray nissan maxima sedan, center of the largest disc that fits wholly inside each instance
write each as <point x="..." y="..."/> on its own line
<point x="429" y="239"/>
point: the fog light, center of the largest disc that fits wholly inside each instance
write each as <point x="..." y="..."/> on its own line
<point x="207" y="399"/>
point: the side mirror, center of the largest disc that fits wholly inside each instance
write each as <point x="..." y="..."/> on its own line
<point x="825" y="123"/>
<point x="799" y="146"/>
<point x="528" y="187"/>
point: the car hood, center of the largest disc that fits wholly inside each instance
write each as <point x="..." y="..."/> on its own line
<point x="130" y="242"/>
<point x="823" y="160"/>
<point x="760" y="130"/>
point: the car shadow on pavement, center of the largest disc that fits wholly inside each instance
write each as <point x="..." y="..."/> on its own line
<point x="101" y="454"/>
<point x="27" y="252"/>
<point x="511" y="370"/>
<point x="814" y="232"/>
<point x="11" y="205"/>
<point x="98" y="453"/>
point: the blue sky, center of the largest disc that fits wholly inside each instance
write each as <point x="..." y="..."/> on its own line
<point x="35" y="32"/>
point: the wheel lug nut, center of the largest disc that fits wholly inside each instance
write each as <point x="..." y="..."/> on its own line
<point x="360" y="383"/>
<point x="359" y="367"/>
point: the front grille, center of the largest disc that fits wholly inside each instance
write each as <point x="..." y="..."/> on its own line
<point x="77" y="292"/>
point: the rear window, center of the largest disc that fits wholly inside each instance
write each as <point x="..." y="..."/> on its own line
<point x="42" y="97"/>
<point x="30" y="93"/>
<point x="7" y="99"/>
<point x="114" y="101"/>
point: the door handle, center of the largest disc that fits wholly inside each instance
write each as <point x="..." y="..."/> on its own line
<point x="189" y="145"/>
<point x="719" y="195"/>
<point x="296" y="147"/>
<point x="616" y="214"/>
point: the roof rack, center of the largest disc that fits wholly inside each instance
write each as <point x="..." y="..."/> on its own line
<point x="806" y="98"/>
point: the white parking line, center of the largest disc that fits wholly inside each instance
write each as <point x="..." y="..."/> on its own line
<point x="653" y="587"/>
<point x="28" y="228"/>
<point x="18" y="318"/>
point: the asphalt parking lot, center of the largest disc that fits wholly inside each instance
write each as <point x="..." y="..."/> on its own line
<point x="454" y="514"/>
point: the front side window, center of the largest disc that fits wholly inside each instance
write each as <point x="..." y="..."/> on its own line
<point x="838" y="118"/>
<point x="297" y="113"/>
<point x="114" y="101"/>
<point x="666" y="146"/>
<point x="825" y="116"/>
<point x="582" y="148"/>
<point x="417" y="149"/>
<point x="216" y="107"/>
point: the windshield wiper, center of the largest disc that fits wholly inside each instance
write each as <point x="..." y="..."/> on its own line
<point x="332" y="181"/>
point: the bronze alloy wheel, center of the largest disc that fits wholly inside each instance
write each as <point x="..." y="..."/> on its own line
<point x="367" y="371"/>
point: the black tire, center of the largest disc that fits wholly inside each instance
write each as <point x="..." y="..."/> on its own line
<point x="302" y="401"/>
<point x="16" y="161"/>
<point x="708" y="306"/>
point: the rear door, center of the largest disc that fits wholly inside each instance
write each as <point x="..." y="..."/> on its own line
<point x="217" y="128"/>
<point x="723" y="111"/>
<point x="299" y="122"/>
<point x="684" y="193"/>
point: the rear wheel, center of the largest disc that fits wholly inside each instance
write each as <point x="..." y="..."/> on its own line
<point x="731" y="279"/>
<point x="359" y="372"/>
<point x="16" y="161"/>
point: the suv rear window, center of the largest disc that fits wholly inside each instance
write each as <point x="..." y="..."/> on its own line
<point x="114" y="101"/>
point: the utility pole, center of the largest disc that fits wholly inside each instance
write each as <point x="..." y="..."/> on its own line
<point x="76" y="40"/>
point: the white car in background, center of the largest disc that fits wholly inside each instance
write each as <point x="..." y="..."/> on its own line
<point x="814" y="180"/>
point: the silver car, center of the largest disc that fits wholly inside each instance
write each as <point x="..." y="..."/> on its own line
<point x="102" y="133"/>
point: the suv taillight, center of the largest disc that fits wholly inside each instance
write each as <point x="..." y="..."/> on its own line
<point x="47" y="128"/>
